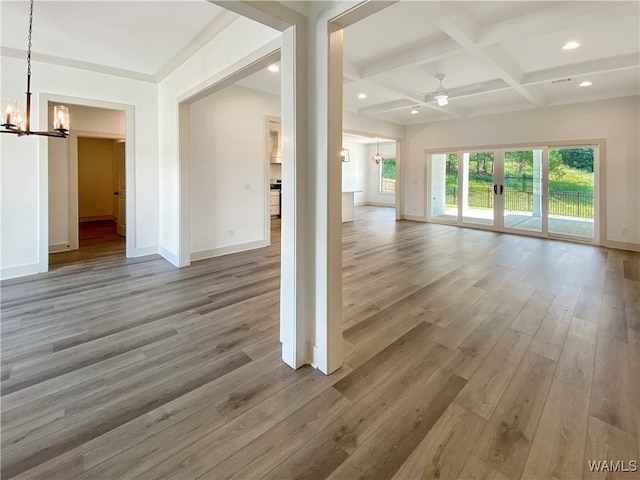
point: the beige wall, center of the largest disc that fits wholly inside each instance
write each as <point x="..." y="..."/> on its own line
<point x="96" y="158"/>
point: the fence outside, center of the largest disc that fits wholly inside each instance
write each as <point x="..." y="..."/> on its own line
<point x="388" y="184"/>
<point x="566" y="204"/>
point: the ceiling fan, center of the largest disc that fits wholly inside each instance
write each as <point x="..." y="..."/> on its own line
<point x="441" y="94"/>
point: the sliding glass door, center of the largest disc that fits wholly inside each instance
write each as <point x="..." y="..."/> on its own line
<point x="477" y="192"/>
<point x="572" y="191"/>
<point x="522" y="188"/>
<point x="540" y="191"/>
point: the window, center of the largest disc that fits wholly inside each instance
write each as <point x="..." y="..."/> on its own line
<point x="388" y="175"/>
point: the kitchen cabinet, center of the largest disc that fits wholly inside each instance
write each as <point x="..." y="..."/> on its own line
<point x="275" y="203"/>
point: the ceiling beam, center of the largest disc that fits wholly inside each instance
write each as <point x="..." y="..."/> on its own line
<point x="612" y="64"/>
<point x="464" y="32"/>
<point x="418" y="56"/>
<point x="270" y="13"/>
<point x="547" y="20"/>
<point x="361" y="11"/>
<point x="387" y="107"/>
<point x="552" y="19"/>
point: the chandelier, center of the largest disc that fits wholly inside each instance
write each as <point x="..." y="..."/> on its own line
<point x="377" y="158"/>
<point x="12" y="120"/>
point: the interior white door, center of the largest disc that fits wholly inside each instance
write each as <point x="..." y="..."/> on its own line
<point x="121" y="191"/>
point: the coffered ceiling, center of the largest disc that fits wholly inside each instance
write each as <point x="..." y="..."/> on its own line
<point x="497" y="56"/>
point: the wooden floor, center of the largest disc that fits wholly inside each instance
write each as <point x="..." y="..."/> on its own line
<point x="468" y="354"/>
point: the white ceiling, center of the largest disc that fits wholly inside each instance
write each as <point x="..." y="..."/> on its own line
<point x="139" y="39"/>
<point x="498" y="56"/>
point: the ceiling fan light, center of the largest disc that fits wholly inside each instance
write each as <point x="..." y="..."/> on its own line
<point x="442" y="99"/>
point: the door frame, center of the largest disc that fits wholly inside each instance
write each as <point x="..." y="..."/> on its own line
<point x="74" y="218"/>
<point x="43" y="170"/>
<point x="599" y="204"/>
<point x="398" y="195"/>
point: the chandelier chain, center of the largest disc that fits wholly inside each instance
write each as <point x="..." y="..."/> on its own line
<point x="29" y="45"/>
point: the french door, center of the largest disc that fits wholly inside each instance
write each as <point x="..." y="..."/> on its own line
<point x="517" y="190"/>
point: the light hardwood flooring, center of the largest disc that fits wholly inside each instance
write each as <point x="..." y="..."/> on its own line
<point x="468" y="354"/>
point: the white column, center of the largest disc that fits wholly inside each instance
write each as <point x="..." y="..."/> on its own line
<point x="296" y="288"/>
<point x="311" y="287"/>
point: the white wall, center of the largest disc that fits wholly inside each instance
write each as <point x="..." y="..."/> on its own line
<point x="229" y="170"/>
<point x="90" y="121"/>
<point x="615" y="120"/>
<point x="24" y="173"/>
<point x="238" y="40"/>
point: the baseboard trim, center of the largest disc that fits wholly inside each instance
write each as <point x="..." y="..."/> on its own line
<point x="634" y="247"/>
<point x="217" y="252"/>
<point x="19" y="271"/>
<point x="379" y="204"/>
<point x="143" y="251"/>
<point x="60" y="247"/>
<point x="170" y="257"/>
<point x="414" y="218"/>
<point x="97" y="218"/>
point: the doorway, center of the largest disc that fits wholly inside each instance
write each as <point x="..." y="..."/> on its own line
<point x="544" y="191"/>
<point x="101" y="192"/>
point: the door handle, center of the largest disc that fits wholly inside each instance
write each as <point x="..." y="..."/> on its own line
<point x="116" y="193"/>
<point x="501" y="189"/>
<point x="495" y="189"/>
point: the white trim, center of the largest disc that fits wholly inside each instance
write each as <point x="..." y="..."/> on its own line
<point x="143" y="251"/>
<point x="634" y="247"/>
<point x="418" y="219"/>
<point x="250" y="64"/>
<point x="59" y="247"/>
<point x="43" y="169"/>
<point x="379" y="204"/>
<point x="96" y="218"/>
<point x="79" y="64"/>
<point x="19" y="271"/>
<point x="171" y="257"/>
<point x="217" y="252"/>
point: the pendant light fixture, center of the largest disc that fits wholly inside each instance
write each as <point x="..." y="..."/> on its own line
<point x="377" y="158"/>
<point x="12" y="121"/>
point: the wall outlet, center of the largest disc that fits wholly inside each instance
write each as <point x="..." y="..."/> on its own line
<point x="247" y="186"/>
<point x="232" y="232"/>
<point x="625" y="230"/>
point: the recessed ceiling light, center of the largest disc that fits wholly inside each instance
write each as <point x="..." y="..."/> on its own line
<point x="570" y="45"/>
<point x="414" y="111"/>
<point x="273" y="68"/>
<point x="362" y="96"/>
<point x="586" y="83"/>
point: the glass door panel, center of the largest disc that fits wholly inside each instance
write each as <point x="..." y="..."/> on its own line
<point x="477" y="194"/>
<point x="571" y="191"/>
<point x="522" y="190"/>
<point x="444" y="186"/>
